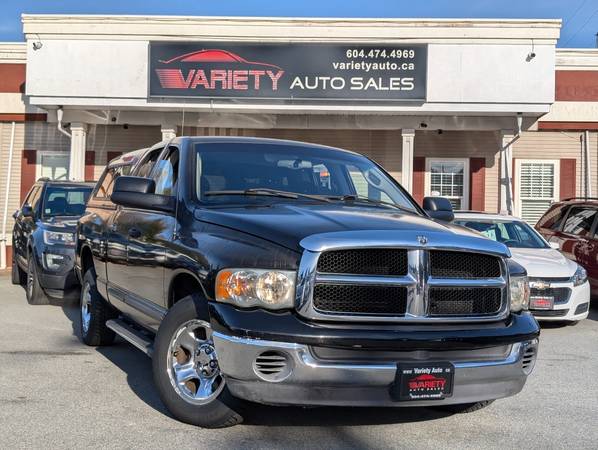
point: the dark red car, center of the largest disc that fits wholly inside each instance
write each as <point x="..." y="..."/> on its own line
<point x="571" y="224"/>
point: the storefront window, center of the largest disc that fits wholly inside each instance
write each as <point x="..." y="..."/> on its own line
<point x="53" y="165"/>
<point x="448" y="178"/>
<point x="537" y="186"/>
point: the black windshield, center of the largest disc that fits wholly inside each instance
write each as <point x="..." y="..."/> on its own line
<point x="307" y="171"/>
<point x="65" y="200"/>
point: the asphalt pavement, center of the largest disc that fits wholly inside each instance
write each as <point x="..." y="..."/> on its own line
<point x="57" y="393"/>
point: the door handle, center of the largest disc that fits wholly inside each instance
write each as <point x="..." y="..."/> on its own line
<point x="134" y="233"/>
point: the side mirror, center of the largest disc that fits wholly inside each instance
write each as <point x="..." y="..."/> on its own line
<point x="138" y="192"/>
<point x="27" y="211"/>
<point x="554" y="245"/>
<point x="439" y="208"/>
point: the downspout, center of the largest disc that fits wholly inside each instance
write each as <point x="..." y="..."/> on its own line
<point x="588" y="174"/>
<point x="59" y="114"/>
<point x="508" y="168"/>
<point x="6" y="198"/>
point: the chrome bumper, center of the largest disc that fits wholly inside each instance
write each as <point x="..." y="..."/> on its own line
<point x="312" y="381"/>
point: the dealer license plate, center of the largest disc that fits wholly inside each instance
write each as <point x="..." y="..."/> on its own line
<point x="541" y="302"/>
<point x="430" y="381"/>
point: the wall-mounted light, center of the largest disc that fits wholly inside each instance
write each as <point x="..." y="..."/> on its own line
<point x="532" y="54"/>
<point x="37" y="44"/>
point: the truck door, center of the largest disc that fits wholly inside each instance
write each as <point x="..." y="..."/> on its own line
<point x="97" y="226"/>
<point x="141" y="234"/>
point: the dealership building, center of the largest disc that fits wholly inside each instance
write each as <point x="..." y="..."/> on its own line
<point x="485" y="112"/>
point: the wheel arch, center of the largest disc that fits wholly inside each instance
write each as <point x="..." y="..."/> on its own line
<point x="85" y="259"/>
<point x="182" y="284"/>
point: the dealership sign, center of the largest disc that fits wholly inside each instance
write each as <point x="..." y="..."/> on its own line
<point x="288" y="71"/>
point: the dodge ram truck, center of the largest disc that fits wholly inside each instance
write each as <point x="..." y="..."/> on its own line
<point x="287" y="273"/>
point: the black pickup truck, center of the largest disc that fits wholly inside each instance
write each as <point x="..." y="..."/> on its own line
<point x="288" y="273"/>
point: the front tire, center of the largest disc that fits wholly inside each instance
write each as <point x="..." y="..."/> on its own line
<point x="186" y="371"/>
<point x="33" y="290"/>
<point x="95" y="312"/>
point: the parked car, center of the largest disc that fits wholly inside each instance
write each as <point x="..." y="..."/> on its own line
<point x="571" y="225"/>
<point x="296" y="274"/>
<point x="43" y="240"/>
<point x="559" y="288"/>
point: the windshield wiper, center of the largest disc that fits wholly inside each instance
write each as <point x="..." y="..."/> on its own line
<point x="269" y="192"/>
<point x="357" y="198"/>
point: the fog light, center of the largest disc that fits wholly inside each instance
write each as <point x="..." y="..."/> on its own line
<point x="53" y="261"/>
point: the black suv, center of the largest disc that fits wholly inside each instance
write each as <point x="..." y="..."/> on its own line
<point x="43" y="239"/>
<point x="289" y="273"/>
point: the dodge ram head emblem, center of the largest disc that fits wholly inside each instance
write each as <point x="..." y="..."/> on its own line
<point x="422" y="240"/>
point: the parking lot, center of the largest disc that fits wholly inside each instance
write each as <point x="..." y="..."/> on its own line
<point x="55" y="392"/>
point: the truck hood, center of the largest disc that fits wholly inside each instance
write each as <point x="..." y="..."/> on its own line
<point x="544" y="262"/>
<point x="295" y="226"/>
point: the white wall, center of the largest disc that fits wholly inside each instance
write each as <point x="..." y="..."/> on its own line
<point x="487" y="77"/>
<point x="490" y="74"/>
<point x="85" y="68"/>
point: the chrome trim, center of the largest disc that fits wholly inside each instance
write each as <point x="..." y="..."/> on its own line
<point x="364" y="280"/>
<point x="405" y="239"/>
<point x="417" y="281"/>
<point x="417" y="296"/>
<point x="305" y="356"/>
<point x="467" y="282"/>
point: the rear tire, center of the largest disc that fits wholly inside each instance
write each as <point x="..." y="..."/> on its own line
<point x="94" y="312"/>
<point x="466" y="408"/>
<point x="18" y="276"/>
<point x="33" y="290"/>
<point x="186" y="371"/>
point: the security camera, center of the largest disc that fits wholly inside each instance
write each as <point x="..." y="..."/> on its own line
<point x="37" y="45"/>
<point x="530" y="56"/>
<point x="423" y="125"/>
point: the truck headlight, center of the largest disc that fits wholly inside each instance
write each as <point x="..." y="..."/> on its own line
<point x="271" y="289"/>
<point x="518" y="287"/>
<point x="580" y="276"/>
<point x="59" y="237"/>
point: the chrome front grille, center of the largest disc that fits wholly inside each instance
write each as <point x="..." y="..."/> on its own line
<point x="431" y="284"/>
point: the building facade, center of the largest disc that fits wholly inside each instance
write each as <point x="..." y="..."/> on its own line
<point x="485" y="112"/>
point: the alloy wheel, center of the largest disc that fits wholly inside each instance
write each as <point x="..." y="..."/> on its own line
<point x="192" y="363"/>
